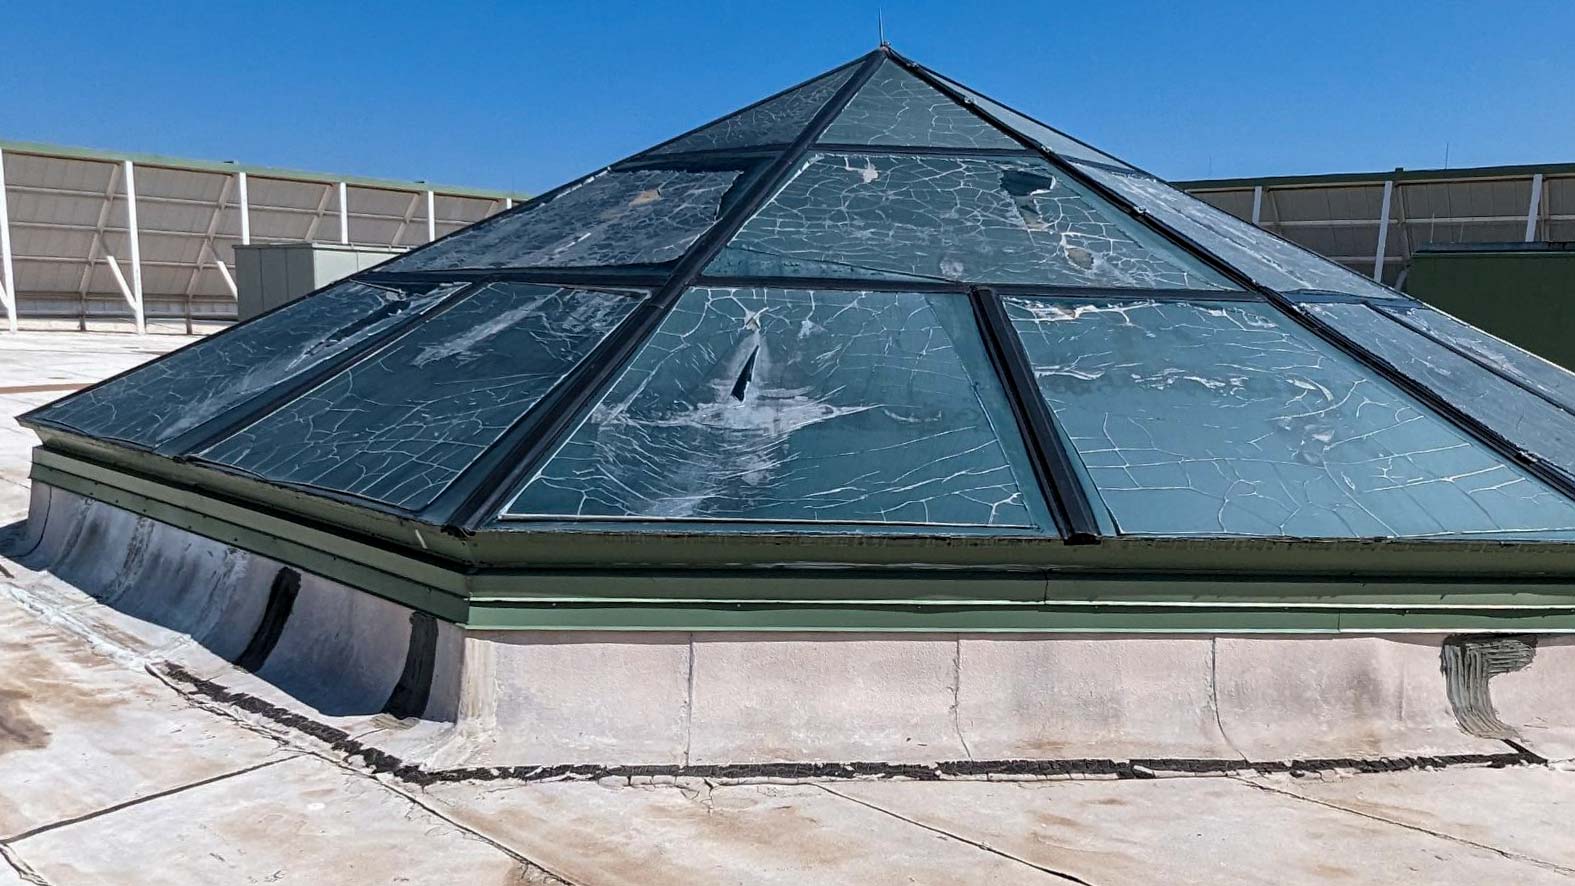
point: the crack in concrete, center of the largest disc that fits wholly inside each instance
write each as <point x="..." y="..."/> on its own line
<point x="1504" y="853"/>
<point x="138" y="801"/>
<point x="1214" y="696"/>
<point x="957" y="697"/>
<point x="532" y="869"/>
<point x="1072" y="878"/>
<point x="23" y="869"/>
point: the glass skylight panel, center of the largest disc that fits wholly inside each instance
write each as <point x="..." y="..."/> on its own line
<point x="980" y="220"/>
<point x="1551" y="380"/>
<point x="1060" y="143"/>
<point x="167" y="397"/>
<point x="782" y="405"/>
<point x="400" y="425"/>
<point x="897" y="108"/>
<point x="636" y="217"/>
<point x="776" y="121"/>
<point x="1528" y="421"/>
<point x="1267" y="259"/>
<point x="1229" y="419"/>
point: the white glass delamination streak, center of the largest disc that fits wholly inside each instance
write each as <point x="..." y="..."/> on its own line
<point x="643" y="216"/>
<point x="402" y="424"/>
<point x="1267" y="259"/>
<point x="1551" y="380"/>
<point x="778" y="121"/>
<point x="1229" y="419"/>
<point x="782" y="405"/>
<point x="1529" y="422"/>
<point x="897" y="108"/>
<point x="160" y="401"/>
<point x="980" y="220"/>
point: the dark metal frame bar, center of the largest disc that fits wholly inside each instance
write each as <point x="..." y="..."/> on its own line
<point x="1052" y="461"/>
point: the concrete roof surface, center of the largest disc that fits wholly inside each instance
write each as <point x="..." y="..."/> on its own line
<point x="111" y="774"/>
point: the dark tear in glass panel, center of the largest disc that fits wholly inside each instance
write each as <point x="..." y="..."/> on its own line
<point x="1531" y="423"/>
<point x="777" y="121"/>
<point x="1229" y="419"/>
<point x="1059" y="143"/>
<point x="760" y="404"/>
<point x="1549" y="379"/>
<point x="168" y="397"/>
<point x="1270" y="261"/>
<point x="897" y="108"/>
<point x="400" y="425"/>
<point x="641" y="216"/>
<point x="952" y="218"/>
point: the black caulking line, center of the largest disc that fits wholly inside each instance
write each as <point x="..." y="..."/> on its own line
<point x="281" y="599"/>
<point x="744" y="375"/>
<point x="382" y="762"/>
<point x="410" y="694"/>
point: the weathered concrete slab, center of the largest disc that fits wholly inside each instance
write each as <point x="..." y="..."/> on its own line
<point x="1524" y="810"/>
<point x="545" y="696"/>
<point x="1088" y="695"/>
<point x="758" y="834"/>
<point x="80" y="732"/>
<point x="303" y="821"/>
<point x="1203" y="831"/>
<point x="1284" y="698"/>
<point x="833" y="697"/>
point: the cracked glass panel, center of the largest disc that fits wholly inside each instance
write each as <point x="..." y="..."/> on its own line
<point x="641" y="216"/>
<point x="1058" y="142"/>
<point x="1270" y="261"/>
<point x="784" y="405"/>
<point x="897" y="108"/>
<point x="163" y="399"/>
<point x="400" y="425"/>
<point x="1549" y="379"/>
<point x="981" y="220"/>
<point x="1531" y="423"/>
<point x="777" y="121"/>
<point x="1231" y="419"/>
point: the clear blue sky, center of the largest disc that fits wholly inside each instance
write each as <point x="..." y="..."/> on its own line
<point x="526" y="95"/>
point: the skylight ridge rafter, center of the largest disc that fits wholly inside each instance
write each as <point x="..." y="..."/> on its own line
<point x="1500" y="445"/>
<point x="476" y="496"/>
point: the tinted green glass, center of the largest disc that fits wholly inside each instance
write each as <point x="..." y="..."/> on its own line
<point x="642" y="216"/>
<point x="1230" y="419"/>
<point x="1548" y="379"/>
<point x="776" y="121"/>
<point x="401" y="424"/>
<point x="1530" y="422"/>
<point x="981" y="220"/>
<point x="1270" y="261"/>
<point x="163" y="399"/>
<point x="780" y="405"/>
<point x="897" y="108"/>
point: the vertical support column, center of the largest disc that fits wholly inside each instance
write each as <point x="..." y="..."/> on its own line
<point x="1257" y="206"/>
<point x="1536" y="208"/>
<point x="8" y="296"/>
<point x="136" y="247"/>
<point x="508" y="203"/>
<point x="344" y="215"/>
<point x="1383" y="231"/>
<point x="246" y="210"/>
<point x="431" y="219"/>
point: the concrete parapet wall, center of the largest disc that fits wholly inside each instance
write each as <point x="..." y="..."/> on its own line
<point x="511" y="698"/>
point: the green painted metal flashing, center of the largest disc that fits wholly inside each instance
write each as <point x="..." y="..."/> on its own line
<point x="1525" y="296"/>
<point x="1377" y="178"/>
<point x="69" y="152"/>
<point x="1521" y="588"/>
